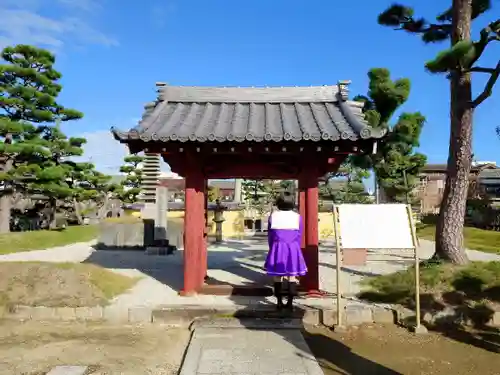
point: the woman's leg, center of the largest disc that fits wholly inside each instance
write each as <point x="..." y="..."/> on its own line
<point x="278" y="288"/>
<point x="292" y="291"/>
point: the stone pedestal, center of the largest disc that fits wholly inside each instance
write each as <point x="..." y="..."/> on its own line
<point x="161" y="212"/>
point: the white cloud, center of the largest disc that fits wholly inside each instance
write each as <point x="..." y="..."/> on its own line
<point x="105" y="152"/>
<point x="24" y="22"/>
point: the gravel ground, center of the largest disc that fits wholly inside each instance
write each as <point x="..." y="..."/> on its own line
<point x="33" y="348"/>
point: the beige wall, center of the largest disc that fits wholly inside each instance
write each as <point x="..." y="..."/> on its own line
<point x="233" y="226"/>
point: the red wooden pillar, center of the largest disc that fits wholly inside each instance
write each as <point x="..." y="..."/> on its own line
<point x="193" y="230"/>
<point x="204" y="244"/>
<point x="308" y="201"/>
<point x="302" y="208"/>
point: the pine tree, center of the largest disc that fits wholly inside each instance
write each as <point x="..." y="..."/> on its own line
<point x="29" y="89"/>
<point x="92" y="188"/>
<point x="131" y="186"/>
<point x="254" y="190"/>
<point x="55" y="172"/>
<point x="353" y="189"/>
<point x="396" y="164"/>
<point x="457" y="62"/>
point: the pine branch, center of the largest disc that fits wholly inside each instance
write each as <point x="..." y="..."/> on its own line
<point x="479" y="69"/>
<point x="488" y="88"/>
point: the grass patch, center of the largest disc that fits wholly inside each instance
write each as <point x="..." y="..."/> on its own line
<point x="475" y="278"/>
<point x="43" y="239"/>
<point x="59" y="284"/>
<point x="475" y="238"/>
<point x="474" y="289"/>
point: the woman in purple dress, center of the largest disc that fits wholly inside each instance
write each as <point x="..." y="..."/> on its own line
<point x="285" y="261"/>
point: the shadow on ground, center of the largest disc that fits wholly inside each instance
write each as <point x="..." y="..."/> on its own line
<point x="333" y="356"/>
<point x="231" y="260"/>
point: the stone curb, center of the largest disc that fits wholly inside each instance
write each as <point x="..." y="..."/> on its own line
<point x="187" y="315"/>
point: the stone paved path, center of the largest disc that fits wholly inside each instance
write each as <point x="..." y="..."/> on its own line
<point x="239" y="351"/>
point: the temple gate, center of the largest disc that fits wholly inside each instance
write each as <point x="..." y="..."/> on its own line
<point x="205" y="133"/>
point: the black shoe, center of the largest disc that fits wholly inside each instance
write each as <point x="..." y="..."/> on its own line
<point x="278" y="286"/>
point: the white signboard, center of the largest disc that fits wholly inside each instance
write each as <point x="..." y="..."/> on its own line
<point x="375" y="226"/>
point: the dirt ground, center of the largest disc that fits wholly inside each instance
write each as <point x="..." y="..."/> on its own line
<point x="59" y="284"/>
<point x="34" y="348"/>
<point x="390" y="350"/>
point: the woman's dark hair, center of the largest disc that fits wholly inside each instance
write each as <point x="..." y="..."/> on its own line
<point x="285" y="201"/>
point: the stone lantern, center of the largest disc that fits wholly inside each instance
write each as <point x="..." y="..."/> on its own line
<point x="218" y="220"/>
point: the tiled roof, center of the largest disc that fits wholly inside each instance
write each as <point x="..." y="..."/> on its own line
<point x="490" y="173"/>
<point x="443" y="167"/>
<point x="200" y="114"/>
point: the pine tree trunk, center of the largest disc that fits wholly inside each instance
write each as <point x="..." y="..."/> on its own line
<point x="5" y="207"/>
<point x="78" y="211"/>
<point x="52" y="213"/>
<point x="6" y="201"/>
<point x="449" y="230"/>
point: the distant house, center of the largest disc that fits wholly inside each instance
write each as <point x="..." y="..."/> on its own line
<point x="484" y="178"/>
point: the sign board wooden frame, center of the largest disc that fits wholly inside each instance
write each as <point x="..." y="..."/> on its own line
<point x="404" y="219"/>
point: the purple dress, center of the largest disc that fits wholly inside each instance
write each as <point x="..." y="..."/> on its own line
<point x="284" y="236"/>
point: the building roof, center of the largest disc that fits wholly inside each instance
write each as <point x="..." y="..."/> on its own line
<point x="490" y="173"/>
<point x="200" y="114"/>
<point x="441" y="168"/>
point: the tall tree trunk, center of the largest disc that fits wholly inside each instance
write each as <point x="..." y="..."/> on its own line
<point x="6" y="194"/>
<point x="449" y="231"/>
<point x="101" y="213"/>
<point x="78" y="211"/>
<point x="52" y="213"/>
<point x="5" y="210"/>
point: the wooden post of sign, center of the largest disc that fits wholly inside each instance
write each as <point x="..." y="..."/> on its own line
<point x="338" y="246"/>
<point x="419" y="328"/>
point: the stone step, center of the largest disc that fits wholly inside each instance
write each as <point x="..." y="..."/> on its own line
<point x="248" y="323"/>
<point x="69" y="370"/>
<point x="262" y="313"/>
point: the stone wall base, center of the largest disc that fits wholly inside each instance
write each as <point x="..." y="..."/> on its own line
<point x="185" y="316"/>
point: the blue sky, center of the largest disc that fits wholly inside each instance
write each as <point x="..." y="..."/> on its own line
<point x="112" y="52"/>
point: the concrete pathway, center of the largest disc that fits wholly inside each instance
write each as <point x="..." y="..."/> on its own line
<point x="227" y="350"/>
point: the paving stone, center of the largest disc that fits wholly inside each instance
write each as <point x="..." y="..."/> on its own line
<point x="248" y="323"/>
<point x="66" y="313"/>
<point x="140" y="314"/>
<point x="115" y="314"/>
<point x="356" y="315"/>
<point x="495" y="319"/>
<point x="21" y="312"/>
<point x="329" y="317"/>
<point x="68" y="370"/>
<point x="249" y="351"/>
<point x="381" y="315"/>
<point x="312" y="317"/>
<point x="89" y="313"/>
<point x="42" y="313"/>
<point x="405" y="316"/>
